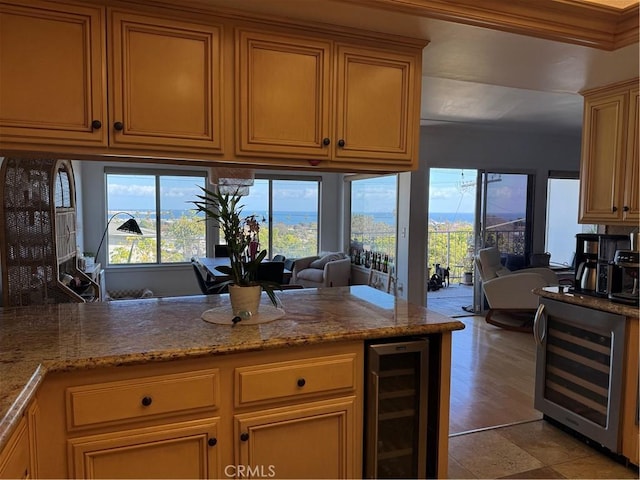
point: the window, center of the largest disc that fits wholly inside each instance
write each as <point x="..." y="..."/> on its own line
<point x="373" y="215"/>
<point x="160" y="203"/>
<point x="289" y="212"/>
<point x="562" y="218"/>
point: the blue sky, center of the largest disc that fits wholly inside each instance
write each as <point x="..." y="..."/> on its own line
<point x="451" y="191"/>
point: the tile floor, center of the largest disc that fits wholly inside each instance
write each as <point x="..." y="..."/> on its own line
<point x="533" y="449"/>
<point x="530" y="448"/>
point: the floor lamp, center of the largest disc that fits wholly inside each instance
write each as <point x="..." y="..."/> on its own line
<point x="130" y="226"/>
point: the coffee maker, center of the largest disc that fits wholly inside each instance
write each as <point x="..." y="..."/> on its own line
<point x="593" y="262"/>
<point x="624" y="276"/>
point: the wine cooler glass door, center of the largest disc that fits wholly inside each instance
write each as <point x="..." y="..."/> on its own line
<point x="397" y="410"/>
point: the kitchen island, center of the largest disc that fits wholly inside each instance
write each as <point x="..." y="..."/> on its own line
<point x="55" y="357"/>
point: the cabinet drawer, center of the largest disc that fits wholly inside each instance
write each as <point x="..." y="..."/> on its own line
<point x="275" y="381"/>
<point x="142" y="397"/>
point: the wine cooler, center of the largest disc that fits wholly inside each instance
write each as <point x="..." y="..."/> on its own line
<point x="579" y="365"/>
<point x="396" y="409"/>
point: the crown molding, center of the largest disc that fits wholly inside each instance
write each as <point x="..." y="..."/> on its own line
<point x="569" y="21"/>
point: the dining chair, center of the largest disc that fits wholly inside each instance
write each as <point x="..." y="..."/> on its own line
<point x="271" y="272"/>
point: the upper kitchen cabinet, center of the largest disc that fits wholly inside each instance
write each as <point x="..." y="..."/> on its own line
<point x="377" y="116"/>
<point x="165" y="84"/>
<point x="160" y="81"/>
<point x="52" y="73"/>
<point x="609" y="172"/>
<point x="283" y="97"/>
<point x="311" y="99"/>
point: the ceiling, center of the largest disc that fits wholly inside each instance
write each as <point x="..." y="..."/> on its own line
<point x="477" y="75"/>
<point x="480" y="75"/>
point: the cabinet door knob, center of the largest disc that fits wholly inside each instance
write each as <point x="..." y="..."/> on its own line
<point x="212" y="441"/>
<point x="244" y="436"/>
<point x="625" y="208"/>
<point x="326" y="141"/>
<point x="96" y="125"/>
<point x="119" y="126"/>
<point x="146" y="401"/>
<point x="341" y="143"/>
<point x="301" y="382"/>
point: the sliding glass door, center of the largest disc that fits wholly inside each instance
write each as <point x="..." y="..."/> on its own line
<point x="504" y="219"/>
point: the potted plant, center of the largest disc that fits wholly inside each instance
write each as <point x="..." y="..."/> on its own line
<point x="241" y="234"/>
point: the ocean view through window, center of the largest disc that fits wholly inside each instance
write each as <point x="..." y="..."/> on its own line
<point x="452" y="197"/>
<point x="288" y="212"/>
<point x="374" y="203"/>
<point x="172" y="232"/>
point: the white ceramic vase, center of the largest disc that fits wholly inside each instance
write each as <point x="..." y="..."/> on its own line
<point x="245" y="299"/>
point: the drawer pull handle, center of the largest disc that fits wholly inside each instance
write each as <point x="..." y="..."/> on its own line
<point x="244" y="436"/>
<point x="212" y="441"/>
<point x="146" y="401"/>
<point x="301" y="382"/>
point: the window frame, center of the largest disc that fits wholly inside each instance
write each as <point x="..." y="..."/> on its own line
<point x="296" y="178"/>
<point x="157" y="174"/>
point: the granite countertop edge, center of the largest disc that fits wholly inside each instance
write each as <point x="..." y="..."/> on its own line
<point x="15" y="395"/>
<point x="575" y="298"/>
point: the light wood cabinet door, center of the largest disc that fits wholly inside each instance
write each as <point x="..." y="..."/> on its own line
<point x="15" y="457"/>
<point x="165" y="84"/>
<point x="610" y="171"/>
<point x="52" y="74"/>
<point x="602" y="168"/>
<point x="313" y="440"/>
<point x="377" y="105"/>
<point x="631" y="199"/>
<point x="180" y="450"/>
<point x="283" y="95"/>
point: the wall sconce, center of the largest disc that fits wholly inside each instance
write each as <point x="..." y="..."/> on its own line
<point x="130" y="226"/>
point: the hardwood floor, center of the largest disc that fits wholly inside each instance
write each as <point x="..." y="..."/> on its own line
<point x="492" y="377"/>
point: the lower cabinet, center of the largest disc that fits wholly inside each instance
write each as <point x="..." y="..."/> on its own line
<point x="285" y="413"/>
<point x="180" y="450"/>
<point x="18" y="457"/>
<point x="311" y="440"/>
<point x="14" y="459"/>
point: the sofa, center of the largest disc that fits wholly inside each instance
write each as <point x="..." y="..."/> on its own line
<point x="329" y="269"/>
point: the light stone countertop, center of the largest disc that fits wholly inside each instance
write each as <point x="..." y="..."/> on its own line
<point x="40" y="339"/>
<point x="588" y="301"/>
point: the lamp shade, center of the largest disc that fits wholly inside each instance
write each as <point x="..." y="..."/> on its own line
<point x="130" y="226"/>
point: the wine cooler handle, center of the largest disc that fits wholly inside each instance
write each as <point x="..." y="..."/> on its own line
<point x="539" y="321"/>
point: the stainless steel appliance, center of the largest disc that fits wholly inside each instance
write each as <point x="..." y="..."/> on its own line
<point x="396" y="409"/>
<point x="594" y="255"/>
<point x="579" y="364"/>
<point x="623" y="286"/>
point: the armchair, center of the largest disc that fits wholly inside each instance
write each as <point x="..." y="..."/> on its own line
<point x="328" y="270"/>
<point x="510" y="293"/>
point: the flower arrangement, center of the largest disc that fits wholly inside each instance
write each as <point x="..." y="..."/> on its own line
<point x="242" y="236"/>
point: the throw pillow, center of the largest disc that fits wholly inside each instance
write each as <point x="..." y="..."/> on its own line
<point x="321" y="262"/>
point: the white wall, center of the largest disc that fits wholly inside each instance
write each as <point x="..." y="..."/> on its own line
<point x="473" y="147"/>
<point x="172" y="280"/>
